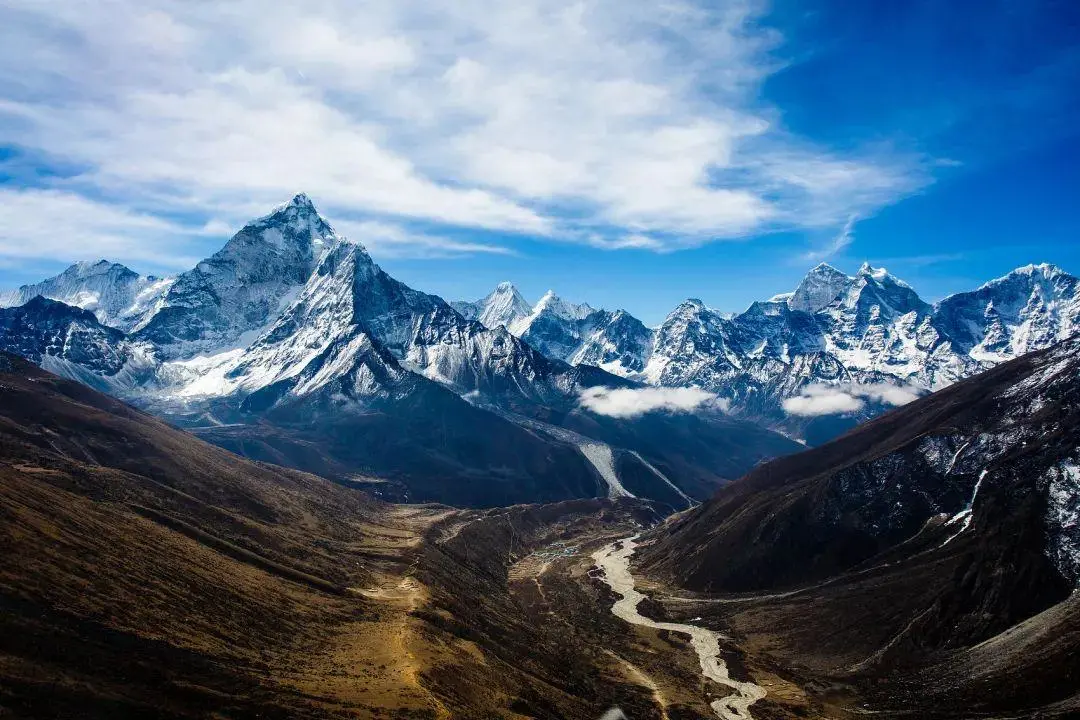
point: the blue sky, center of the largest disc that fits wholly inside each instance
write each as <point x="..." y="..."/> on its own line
<point x="625" y="154"/>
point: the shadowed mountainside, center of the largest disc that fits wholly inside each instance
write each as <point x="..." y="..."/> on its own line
<point x="905" y="550"/>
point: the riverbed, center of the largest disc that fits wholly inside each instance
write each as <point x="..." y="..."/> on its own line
<point x="614" y="560"/>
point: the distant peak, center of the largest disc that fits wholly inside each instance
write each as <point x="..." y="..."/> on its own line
<point x="825" y="268"/>
<point x="91" y="264"/>
<point x="876" y="273"/>
<point x="505" y="287"/>
<point x="1046" y="271"/>
<point x="301" y="200"/>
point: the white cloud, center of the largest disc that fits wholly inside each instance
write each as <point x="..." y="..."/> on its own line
<point x="56" y="224"/>
<point x="619" y="124"/>
<point x="632" y="402"/>
<point x="394" y="241"/>
<point x="817" y="400"/>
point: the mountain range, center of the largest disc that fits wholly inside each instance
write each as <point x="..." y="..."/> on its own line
<point x="833" y="329"/>
<point x="292" y="345"/>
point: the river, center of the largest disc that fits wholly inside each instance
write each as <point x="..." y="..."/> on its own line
<point x="615" y="562"/>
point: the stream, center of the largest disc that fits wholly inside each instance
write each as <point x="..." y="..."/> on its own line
<point x="614" y="559"/>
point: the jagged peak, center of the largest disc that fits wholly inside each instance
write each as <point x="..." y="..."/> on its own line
<point x="1045" y="270"/>
<point x="301" y="200"/>
<point x="690" y="305"/>
<point x="867" y="269"/>
<point x="824" y="268"/>
<point x="507" y="293"/>
<point x="85" y="268"/>
<point x="299" y="209"/>
<point x="880" y="275"/>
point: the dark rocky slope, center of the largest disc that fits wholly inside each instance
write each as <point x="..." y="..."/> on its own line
<point x="904" y="548"/>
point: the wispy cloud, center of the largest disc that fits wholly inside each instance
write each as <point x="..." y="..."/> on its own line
<point x="388" y="240"/>
<point x="632" y="402"/>
<point x="836" y="245"/>
<point x="618" y="124"/>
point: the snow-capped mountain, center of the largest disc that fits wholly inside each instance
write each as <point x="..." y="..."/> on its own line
<point x="819" y="288"/>
<point x="1028" y="309"/>
<point x="292" y="345"/>
<point x="616" y="341"/>
<point x="575" y="333"/>
<point x="71" y="342"/>
<point x="44" y="330"/>
<point x="834" y="329"/>
<point x="291" y="320"/>
<point x="503" y="306"/>
<point x="118" y="296"/>
<point x="244" y="286"/>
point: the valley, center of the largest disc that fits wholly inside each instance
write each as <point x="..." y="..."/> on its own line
<point x="284" y="484"/>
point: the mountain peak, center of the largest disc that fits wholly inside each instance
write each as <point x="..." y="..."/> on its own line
<point x="823" y="268"/>
<point x="819" y="288"/>
<point x="503" y="306"/>
<point x="551" y="303"/>
<point x="299" y="214"/>
<point x="1046" y="270"/>
<point x="880" y="274"/>
<point x="301" y="200"/>
<point x="1042" y="272"/>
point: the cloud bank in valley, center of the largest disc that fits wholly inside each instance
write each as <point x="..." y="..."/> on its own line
<point x="815" y="400"/>
<point x="632" y="402"/>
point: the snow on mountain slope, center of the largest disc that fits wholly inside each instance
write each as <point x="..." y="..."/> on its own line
<point x="578" y="334"/>
<point x="118" y="296"/>
<point x="691" y="347"/>
<point x="71" y="342"/>
<point x="503" y="306"/>
<point x="866" y="329"/>
<point x="614" y="341"/>
<point x="1030" y="308"/>
<point x="244" y="286"/>
<point x="236" y="323"/>
<point x="348" y="297"/>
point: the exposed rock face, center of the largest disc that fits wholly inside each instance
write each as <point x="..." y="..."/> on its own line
<point x="46" y="331"/>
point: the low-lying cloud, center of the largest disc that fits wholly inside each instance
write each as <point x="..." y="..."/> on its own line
<point x="815" y="400"/>
<point x="632" y="402"/>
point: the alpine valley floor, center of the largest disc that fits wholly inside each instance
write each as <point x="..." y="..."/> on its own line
<point x="146" y="573"/>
